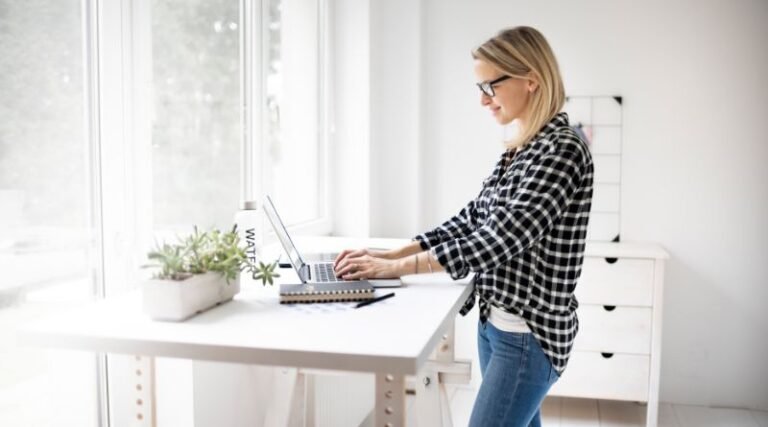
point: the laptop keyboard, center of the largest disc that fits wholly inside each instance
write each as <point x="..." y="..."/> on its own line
<point x="324" y="273"/>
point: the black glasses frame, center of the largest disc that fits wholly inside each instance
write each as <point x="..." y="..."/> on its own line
<point x="487" y="87"/>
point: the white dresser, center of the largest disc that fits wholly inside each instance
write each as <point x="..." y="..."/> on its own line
<point x="617" y="352"/>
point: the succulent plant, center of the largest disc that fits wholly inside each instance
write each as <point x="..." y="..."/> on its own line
<point x="206" y="251"/>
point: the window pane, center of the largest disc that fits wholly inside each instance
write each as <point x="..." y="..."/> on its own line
<point x="45" y="249"/>
<point x="196" y="135"/>
<point x="293" y="155"/>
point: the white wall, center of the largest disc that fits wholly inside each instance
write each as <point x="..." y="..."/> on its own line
<point x="376" y="118"/>
<point x="395" y="116"/>
<point x="692" y="74"/>
<point x="350" y="129"/>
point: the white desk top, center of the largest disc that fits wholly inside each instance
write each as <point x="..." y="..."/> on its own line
<point x="394" y="336"/>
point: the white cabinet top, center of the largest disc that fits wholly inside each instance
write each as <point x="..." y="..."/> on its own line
<point x="625" y="250"/>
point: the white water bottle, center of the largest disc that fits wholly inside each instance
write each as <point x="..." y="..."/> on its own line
<point x="248" y="224"/>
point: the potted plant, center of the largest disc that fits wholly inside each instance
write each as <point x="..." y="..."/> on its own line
<point x="199" y="272"/>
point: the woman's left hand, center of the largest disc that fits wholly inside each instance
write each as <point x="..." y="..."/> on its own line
<point x="368" y="267"/>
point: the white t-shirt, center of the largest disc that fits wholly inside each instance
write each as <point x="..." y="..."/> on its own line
<point x="507" y="322"/>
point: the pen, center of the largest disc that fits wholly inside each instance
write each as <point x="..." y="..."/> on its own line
<point x="377" y="299"/>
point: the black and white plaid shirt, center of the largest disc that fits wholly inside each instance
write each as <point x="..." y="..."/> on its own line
<point x="524" y="236"/>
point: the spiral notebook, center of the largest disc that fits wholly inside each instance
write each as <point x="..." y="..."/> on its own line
<point x="358" y="290"/>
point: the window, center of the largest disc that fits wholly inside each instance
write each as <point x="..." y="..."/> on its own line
<point x="207" y="59"/>
<point x="169" y="146"/>
<point x="46" y="228"/>
<point x="195" y="113"/>
<point x="294" y="150"/>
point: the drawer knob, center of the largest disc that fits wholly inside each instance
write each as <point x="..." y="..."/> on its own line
<point x="613" y="260"/>
<point x="606" y="355"/>
<point x="609" y="307"/>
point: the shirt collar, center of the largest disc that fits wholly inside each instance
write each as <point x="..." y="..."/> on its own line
<point x="559" y="120"/>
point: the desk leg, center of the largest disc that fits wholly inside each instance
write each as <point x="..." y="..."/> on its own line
<point x="287" y="406"/>
<point x="143" y="404"/>
<point x="429" y="395"/>
<point x="432" y="404"/>
<point x="390" y="400"/>
<point x="446" y="353"/>
<point x="445" y="349"/>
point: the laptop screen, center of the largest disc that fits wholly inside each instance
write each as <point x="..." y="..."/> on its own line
<point x="282" y="235"/>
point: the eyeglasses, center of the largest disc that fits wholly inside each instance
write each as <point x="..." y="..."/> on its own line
<point x="487" y="87"/>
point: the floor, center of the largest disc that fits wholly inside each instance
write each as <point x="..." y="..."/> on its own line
<point x="570" y="412"/>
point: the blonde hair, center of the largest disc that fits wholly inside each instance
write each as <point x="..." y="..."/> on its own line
<point x="517" y="52"/>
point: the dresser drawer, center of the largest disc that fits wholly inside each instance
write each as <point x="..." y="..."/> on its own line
<point x="628" y="281"/>
<point x="614" y="329"/>
<point x="592" y="375"/>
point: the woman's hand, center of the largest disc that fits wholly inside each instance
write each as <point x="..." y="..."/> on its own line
<point x="357" y="253"/>
<point x="360" y="265"/>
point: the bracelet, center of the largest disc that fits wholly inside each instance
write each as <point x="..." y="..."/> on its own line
<point x="429" y="263"/>
<point x="416" y="269"/>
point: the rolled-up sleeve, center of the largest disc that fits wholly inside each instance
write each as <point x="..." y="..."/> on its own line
<point x="521" y="218"/>
<point x="458" y="226"/>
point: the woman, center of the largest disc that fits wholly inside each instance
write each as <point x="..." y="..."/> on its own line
<point x="523" y="236"/>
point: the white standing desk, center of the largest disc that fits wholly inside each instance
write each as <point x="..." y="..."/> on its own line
<point x="394" y="338"/>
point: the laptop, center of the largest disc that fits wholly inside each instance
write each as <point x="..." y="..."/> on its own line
<point x="320" y="269"/>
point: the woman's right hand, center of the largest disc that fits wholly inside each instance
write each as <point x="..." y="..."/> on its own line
<point x="356" y="253"/>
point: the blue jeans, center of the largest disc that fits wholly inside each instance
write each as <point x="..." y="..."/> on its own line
<point x="516" y="377"/>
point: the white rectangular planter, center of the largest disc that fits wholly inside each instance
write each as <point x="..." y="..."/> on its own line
<point x="178" y="300"/>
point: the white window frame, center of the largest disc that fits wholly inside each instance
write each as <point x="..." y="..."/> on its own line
<point x="255" y="119"/>
<point x="119" y="130"/>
